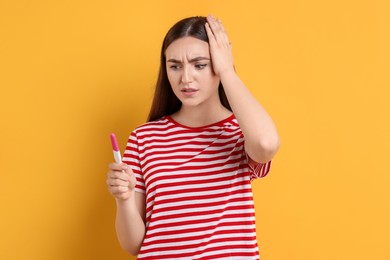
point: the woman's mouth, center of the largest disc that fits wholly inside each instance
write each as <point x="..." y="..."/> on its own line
<point x="189" y="91"/>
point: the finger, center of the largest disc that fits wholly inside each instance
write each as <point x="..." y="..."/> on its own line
<point x="224" y="32"/>
<point x="117" y="166"/>
<point x="212" y="24"/>
<point x="119" y="175"/>
<point x="218" y="31"/>
<point x="210" y="34"/>
<point x="219" y="25"/>
<point x="118" y="189"/>
<point x="128" y="170"/>
<point x="117" y="182"/>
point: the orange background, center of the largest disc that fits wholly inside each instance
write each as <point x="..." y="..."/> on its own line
<point x="74" y="71"/>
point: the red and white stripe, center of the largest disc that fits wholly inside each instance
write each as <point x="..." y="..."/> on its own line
<point x="197" y="182"/>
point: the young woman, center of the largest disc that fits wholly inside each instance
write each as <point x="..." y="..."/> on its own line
<point x="184" y="189"/>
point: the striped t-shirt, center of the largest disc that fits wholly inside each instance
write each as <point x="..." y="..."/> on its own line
<point x="197" y="182"/>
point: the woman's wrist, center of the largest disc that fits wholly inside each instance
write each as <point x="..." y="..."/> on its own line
<point x="126" y="202"/>
<point x="228" y="76"/>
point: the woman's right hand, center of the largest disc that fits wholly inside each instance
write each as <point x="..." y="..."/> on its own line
<point x="120" y="180"/>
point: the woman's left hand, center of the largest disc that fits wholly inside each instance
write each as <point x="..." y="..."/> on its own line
<point x="220" y="47"/>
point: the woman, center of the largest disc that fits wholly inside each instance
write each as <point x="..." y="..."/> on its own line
<point x="183" y="191"/>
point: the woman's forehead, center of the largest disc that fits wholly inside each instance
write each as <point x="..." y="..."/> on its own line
<point x="187" y="47"/>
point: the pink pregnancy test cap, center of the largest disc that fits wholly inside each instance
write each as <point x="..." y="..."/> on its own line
<point x="114" y="142"/>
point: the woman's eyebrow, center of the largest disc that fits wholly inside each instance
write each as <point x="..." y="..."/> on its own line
<point x="192" y="60"/>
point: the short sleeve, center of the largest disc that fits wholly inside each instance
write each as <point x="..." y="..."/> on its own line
<point x="256" y="169"/>
<point x="131" y="157"/>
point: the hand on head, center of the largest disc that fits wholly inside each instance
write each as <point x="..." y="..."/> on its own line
<point x="220" y="46"/>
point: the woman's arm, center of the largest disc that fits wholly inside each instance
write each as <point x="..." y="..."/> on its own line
<point x="261" y="137"/>
<point x="131" y="207"/>
<point x="129" y="224"/>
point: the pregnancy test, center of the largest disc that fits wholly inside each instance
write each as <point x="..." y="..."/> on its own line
<point x="115" y="148"/>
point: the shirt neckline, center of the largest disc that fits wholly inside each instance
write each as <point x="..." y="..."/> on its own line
<point x="219" y="123"/>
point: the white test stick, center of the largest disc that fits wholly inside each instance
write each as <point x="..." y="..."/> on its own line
<point x="115" y="149"/>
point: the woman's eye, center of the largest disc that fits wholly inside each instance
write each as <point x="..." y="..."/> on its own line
<point x="200" y="66"/>
<point x="174" y="67"/>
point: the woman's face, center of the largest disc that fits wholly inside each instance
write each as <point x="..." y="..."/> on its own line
<point x="190" y="71"/>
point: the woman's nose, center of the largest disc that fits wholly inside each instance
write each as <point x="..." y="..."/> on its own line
<point x="187" y="75"/>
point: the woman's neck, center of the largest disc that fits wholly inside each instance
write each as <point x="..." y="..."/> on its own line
<point x="196" y="116"/>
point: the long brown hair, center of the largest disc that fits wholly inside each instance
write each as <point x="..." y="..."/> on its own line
<point x="165" y="101"/>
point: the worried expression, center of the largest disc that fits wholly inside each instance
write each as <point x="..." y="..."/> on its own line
<point x="190" y="71"/>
